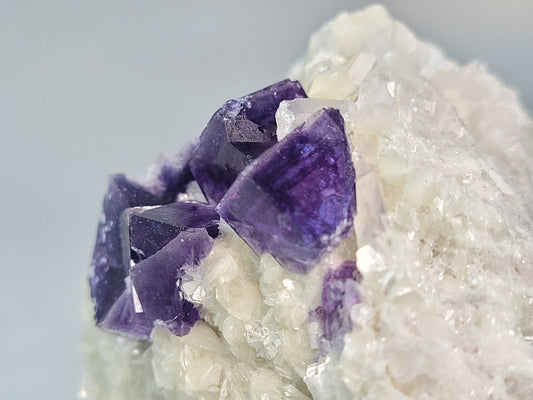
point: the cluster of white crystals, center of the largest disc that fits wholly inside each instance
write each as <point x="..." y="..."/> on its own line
<point x="443" y="240"/>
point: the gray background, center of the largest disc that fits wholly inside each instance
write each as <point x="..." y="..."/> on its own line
<point x="89" y="88"/>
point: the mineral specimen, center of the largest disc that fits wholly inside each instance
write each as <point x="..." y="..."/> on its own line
<point x="424" y="293"/>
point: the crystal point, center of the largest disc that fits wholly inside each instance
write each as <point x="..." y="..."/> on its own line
<point x="123" y="317"/>
<point x="238" y="133"/>
<point x="109" y="267"/>
<point x="298" y="198"/>
<point x="151" y="229"/>
<point x="134" y="232"/>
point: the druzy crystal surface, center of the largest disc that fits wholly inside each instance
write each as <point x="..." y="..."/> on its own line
<point x="303" y="189"/>
<point x="424" y="293"/>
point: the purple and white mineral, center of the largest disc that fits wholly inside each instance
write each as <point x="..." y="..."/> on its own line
<point x="294" y="199"/>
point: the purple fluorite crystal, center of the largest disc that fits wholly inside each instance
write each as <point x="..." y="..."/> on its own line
<point x="238" y="133"/>
<point x="128" y="235"/>
<point x="151" y="229"/>
<point x="298" y="198"/>
<point x="156" y="281"/>
<point x="124" y="318"/>
<point x="295" y="201"/>
<point x="109" y="267"/>
<point x="171" y="173"/>
<point x="339" y="293"/>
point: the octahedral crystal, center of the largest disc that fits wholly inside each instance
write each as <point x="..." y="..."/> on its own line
<point x="109" y="267"/>
<point x="156" y="281"/>
<point x="151" y="229"/>
<point x="236" y="134"/>
<point x="298" y="198"/>
<point x="133" y="233"/>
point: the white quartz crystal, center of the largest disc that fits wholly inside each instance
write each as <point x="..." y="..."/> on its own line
<point x="443" y="239"/>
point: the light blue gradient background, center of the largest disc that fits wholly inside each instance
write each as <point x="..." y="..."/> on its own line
<point x="89" y="88"/>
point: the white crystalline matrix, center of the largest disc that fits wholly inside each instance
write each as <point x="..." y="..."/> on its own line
<point x="443" y="240"/>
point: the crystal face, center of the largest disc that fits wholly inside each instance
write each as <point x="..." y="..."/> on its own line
<point x="151" y="229"/>
<point x="298" y="198"/>
<point x="109" y="267"/>
<point x="156" y="281"/>
<point x="236" y="134"/>
<point x="150" y="246"/>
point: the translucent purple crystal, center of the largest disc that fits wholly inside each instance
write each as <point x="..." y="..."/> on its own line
<point x="151" y="229"/>
<point x="339" y="293"/>
<point x="294" y="199"/>
<point x="156" y="281"/>
<point x="109" y="267"/>
<point x="131" y="234"/>
<point x="238" y="133"/>
<point x="298" y="198"/>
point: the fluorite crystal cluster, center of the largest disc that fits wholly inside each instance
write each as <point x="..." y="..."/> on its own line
<point x="303" y="189"/>
<point x="369" y="237"/>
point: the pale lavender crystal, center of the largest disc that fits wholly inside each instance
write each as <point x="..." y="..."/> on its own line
<point x="298" y="198"/>
<point x="238" y="133"/>
<point x="339" y="293"/>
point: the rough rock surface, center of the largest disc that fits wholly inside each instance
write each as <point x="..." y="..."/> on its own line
<point x="443" y="241"/>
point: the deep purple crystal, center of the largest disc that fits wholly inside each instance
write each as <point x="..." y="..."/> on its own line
<point x="123" y="317"/>
<point x="298" y="198"/>
<point x="339" y="293"/>
<point x="238" y="133"/>
<point x="153" y="293"/>
<point x="157" y="280"/>
<point x="151" y="229"/>
<point x="133" y="234"/>
<point x="109" y="267"/>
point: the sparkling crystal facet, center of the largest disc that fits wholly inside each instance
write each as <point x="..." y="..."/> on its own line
<point x="298" y="198"/>
<point x="238" y="133"/>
